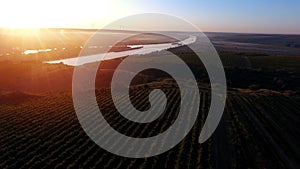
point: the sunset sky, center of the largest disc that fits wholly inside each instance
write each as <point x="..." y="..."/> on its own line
<point x="252" y="16"/>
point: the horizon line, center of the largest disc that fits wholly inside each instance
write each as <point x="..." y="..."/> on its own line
<point x="124" y="30"/>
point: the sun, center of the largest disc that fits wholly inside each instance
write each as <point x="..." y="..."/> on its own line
<point x="59" y="13"/>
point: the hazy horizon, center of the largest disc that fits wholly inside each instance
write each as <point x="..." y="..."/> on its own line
<point x="93" y="29"/>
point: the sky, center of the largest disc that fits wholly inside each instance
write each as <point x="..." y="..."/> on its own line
<point x="247" y="16"/>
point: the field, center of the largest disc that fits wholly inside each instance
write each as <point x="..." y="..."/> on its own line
<point x="259" y="127"/>
<point x="43" y="132"/>
<point x="276" y="62"/>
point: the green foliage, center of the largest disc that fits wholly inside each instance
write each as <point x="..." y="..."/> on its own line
<point x="254" y="87"/>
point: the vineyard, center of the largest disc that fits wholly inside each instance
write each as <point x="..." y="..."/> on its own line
<point x="258" y="130"/>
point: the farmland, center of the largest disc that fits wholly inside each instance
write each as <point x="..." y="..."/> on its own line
<point x="259" y="127"/>
<point x="43" y="132"/>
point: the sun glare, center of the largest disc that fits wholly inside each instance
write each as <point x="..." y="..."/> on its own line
<point x="58" y="13"/>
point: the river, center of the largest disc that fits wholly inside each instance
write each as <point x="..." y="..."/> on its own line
<point x="143" y="49"/>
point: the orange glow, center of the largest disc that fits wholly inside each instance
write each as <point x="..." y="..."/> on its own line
<point x="59" y="13"/>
